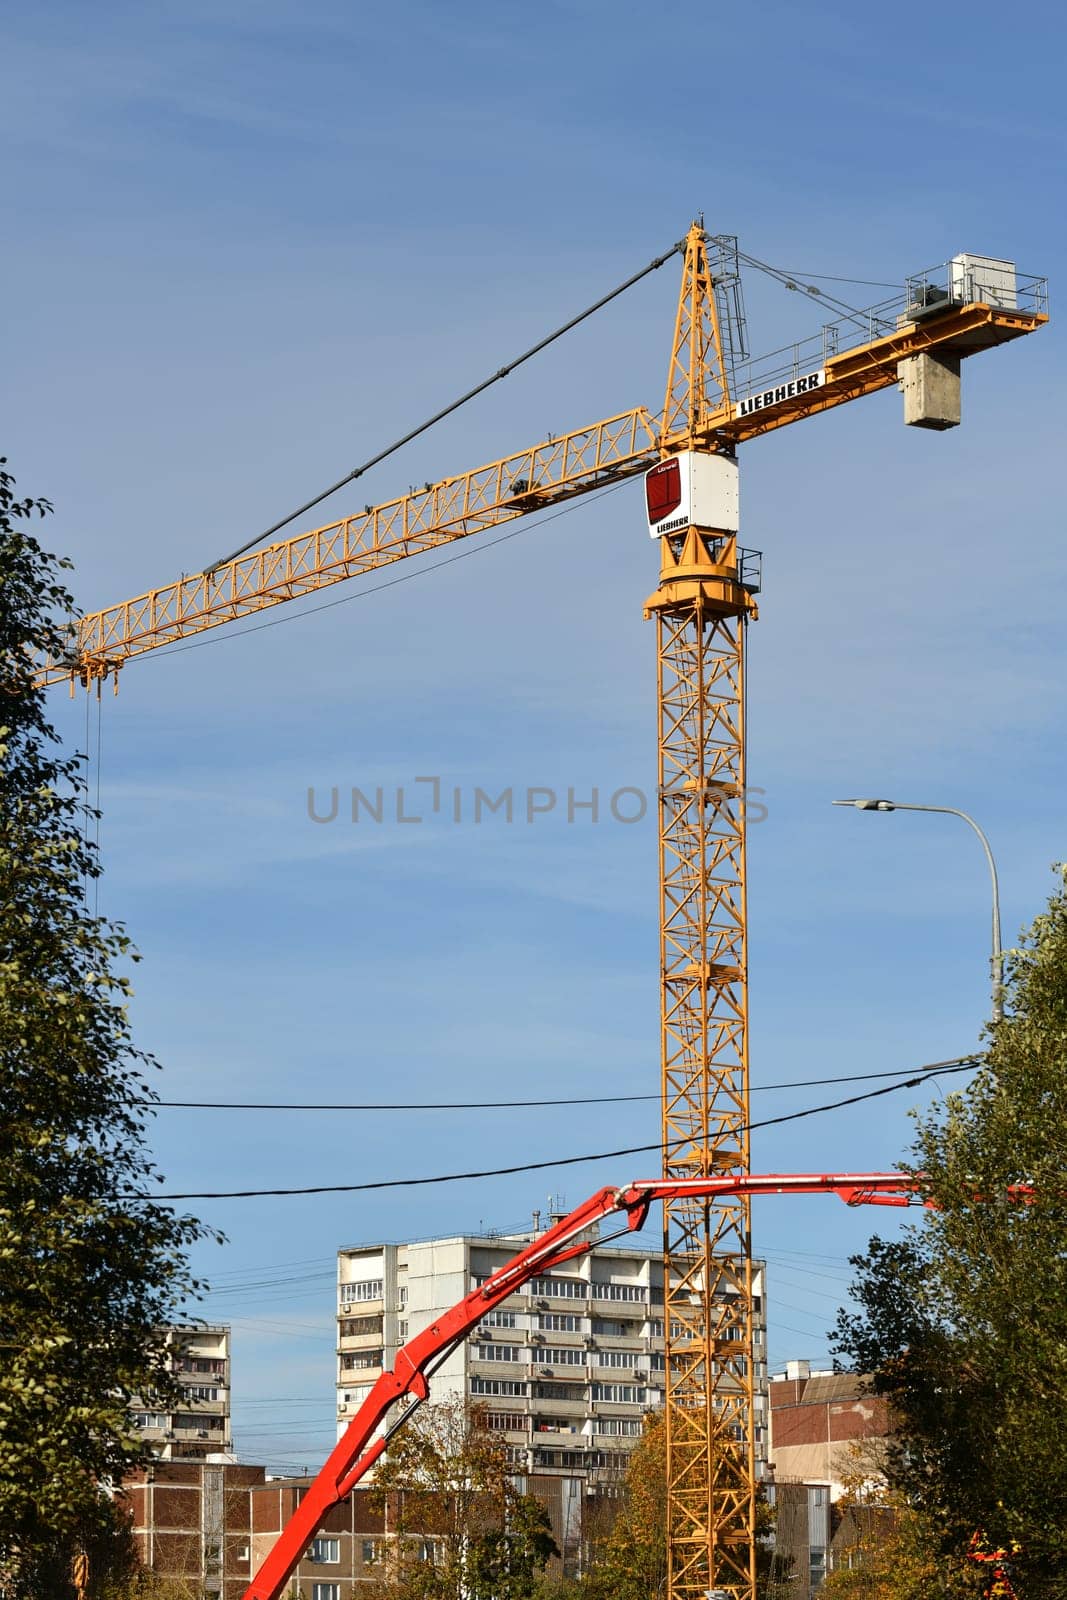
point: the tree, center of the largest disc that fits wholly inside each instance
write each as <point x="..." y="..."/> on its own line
<point x="883" y="1547"/>
<point x="963" y="1320"/>
<point x="892" y="1555"/>
<point x="90" y="1268"/>
<point x="506" y="1563"/>
<point x="631" y="1563"/>
<point x="462" y="1529"/>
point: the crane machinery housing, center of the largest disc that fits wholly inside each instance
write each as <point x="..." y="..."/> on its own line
<point x="717" y="398"/>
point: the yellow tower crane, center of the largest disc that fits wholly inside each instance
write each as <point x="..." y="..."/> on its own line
<point x="705" y="598"/>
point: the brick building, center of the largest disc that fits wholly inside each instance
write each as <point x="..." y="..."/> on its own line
<point x="815" y="1419"/>
<point x="347" y="1551"/>
<point x="192" y="1522"/>
<point x="209" y="1526"/>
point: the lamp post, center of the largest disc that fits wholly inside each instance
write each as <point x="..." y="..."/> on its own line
<point x="997" y="956"/>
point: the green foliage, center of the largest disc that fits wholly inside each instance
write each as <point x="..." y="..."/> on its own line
<point x="964" y="1320"/>
<point x="88" y="1269"/>
<point x="884" y="1547"/>
<point x="631" y="1563"/>
<point x="446" y="1489"/>
<point x="506" y="1563"/>
<point x="897" y="1556"/>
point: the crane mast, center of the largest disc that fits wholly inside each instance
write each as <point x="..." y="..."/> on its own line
<point x="701" y="609"/>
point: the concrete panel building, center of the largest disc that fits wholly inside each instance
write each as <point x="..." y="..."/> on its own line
<point x="198" y="1425"/>
<point x="565" y="1368"/>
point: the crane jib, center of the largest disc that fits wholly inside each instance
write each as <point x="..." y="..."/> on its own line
<point x="780" y="391"/>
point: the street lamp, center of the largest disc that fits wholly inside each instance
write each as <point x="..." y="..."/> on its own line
<point x="997" y="957"/>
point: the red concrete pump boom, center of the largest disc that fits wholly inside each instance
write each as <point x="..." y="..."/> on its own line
<point x="357" y="1450"/>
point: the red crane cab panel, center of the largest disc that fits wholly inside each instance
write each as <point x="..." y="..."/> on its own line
<point x="692" y="488"/>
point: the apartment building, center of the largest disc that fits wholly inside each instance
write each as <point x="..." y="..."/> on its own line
<point x="817" y="1421"/>
<point x="198" y="1425"/>
<point x="208" y="1527"/>
<point x="192" y="1523"/>
<point x="566" y="1368"/>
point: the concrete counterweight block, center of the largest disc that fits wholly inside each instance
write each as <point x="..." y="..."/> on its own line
<point x="931" y="388"/>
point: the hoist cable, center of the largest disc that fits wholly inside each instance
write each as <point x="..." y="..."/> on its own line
<point x="446" y="411"/>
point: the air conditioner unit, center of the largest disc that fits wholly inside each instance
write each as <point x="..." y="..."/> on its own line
<point x="546" y="1372"/>
<point x="542" y="1305"/>
<point x="537" y="1338"/>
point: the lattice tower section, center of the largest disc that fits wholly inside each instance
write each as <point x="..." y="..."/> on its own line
<point x="701" y="614"/>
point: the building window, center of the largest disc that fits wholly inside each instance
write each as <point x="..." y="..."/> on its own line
<point x="356" y="1396"/>
<point x="371" y="1552"/>
<point x="560" y="1356"/>
<point x="365" y="1289"/>
<point x="151" y="1419"/>
<point x="625" y="1427"/>
<point x="560" y="1322"/>
<point x="497" y="1386"/>
<point x="357" y="1359"/>
<point x="325" y="1550"/>
<point x="557" y="1390"/>
<point x="325" y="1591"/>
<point x="504" y="1421"/>
<point x="617" y="1358"/>
<point x="499" y="1319"/>
<point x="619" y="1393"/>
<point x="618" y="1291"/>
<point x="561" y="1458"/>
<point x="356" y="1325"/>
<point x="201" y="1364"/>
<point x="560" y="1288"/>
<point x="615" y="1329"/>
<point x="200" y="1391"/>
<point x="497" y="1352"/>
<point x="402" y="1295"/>
<point x="401" y="1331"/>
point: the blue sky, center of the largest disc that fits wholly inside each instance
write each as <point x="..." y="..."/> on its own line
<point x="249" y="244"/>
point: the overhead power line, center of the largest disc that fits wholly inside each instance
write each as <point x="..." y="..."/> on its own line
<point x="446" y="411"/>
<point x="525" y="1166"/>
<point x="957" y="1064"/>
